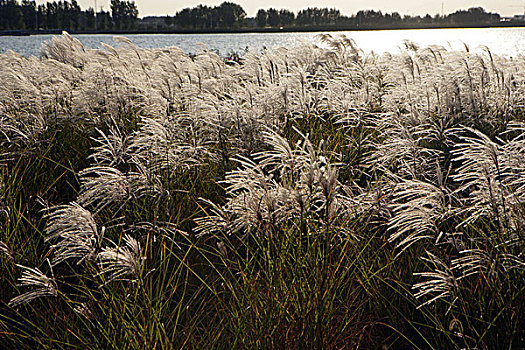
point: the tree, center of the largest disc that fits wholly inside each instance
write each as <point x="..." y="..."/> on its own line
<point x="10" y="15"/>
<point x="72" y="13"/>
<point x="231" y="14"/>
<point x="87" y="19"/>
<point x="273" y="18"/>
<point x="318" y="16"/>
<point x="28" y="8"/>
<point x="104" y="21"/>
<point x="226" y="15"/>
<point x="168" y="21"/>
<point x="124" y="14"/>
<point x="52" y="15"/>
<point x="286" y="17"/>
<point x="202" y="17"/>
<point x="396" y="17"/>
<point x="473" y="15"/>
<point x="41" y="18"/>
<point x="261" y="18"/>
<point x="183" y="18"/>
<point x="369" y="17"/>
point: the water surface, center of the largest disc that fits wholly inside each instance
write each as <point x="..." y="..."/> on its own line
<point x="502" y="41"/>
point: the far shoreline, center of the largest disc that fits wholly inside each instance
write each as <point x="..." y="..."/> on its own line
<point x="331" y="28"/>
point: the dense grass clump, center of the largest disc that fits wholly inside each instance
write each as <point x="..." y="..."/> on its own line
<point x="310" y="197"/>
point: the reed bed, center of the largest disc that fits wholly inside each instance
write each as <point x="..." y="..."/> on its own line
<point x="308" y="197"/>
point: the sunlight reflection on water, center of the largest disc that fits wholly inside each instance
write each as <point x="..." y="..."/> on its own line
<point x="501" y="41"/>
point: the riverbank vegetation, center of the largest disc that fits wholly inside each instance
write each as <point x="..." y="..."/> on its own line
<point x="309" y="197"/>
<point x="29" y="18"/>
<point x="66" y="15"/>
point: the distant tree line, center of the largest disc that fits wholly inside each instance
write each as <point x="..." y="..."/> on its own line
<point x="204" y="17"/>
<point x="226" y="15"/>
<point x="66" y="15"/>
<point x="326" y="16"/>
<point x="123" y="15"/>
<point x="311" y="16"/>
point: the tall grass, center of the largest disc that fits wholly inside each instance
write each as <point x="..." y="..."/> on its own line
<point x="309" y="197"/>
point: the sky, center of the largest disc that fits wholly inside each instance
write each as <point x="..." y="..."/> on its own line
<point x="347" y="7"/>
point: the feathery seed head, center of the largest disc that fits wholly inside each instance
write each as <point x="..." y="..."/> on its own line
<point x="41" y="285"/>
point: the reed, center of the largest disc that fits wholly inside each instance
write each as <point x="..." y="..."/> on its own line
<point x="309" y="197"/>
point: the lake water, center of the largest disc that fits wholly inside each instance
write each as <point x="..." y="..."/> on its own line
<point x="502" y="41"/>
